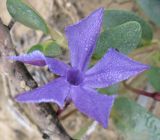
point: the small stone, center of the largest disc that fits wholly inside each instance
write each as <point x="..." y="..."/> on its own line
<point x="22" y="84"/>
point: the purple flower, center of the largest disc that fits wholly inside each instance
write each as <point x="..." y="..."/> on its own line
<point x="76" y="83"/>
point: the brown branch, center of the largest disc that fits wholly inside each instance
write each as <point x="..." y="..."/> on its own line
<point x="153" y="95"/>
<point x="67" y="115"/>
<point x="11" y="24"/>
<point x="42" y="114"/>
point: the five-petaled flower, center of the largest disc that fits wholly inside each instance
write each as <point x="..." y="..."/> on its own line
<point x="76" y="82"/>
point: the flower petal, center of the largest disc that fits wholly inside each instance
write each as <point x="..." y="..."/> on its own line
<point x="55" y="91"/>
<point x="37" y="58"/>
<point x="82" y="38"/>
<point x="112" y="68"/>
<point x="93" y="104"/>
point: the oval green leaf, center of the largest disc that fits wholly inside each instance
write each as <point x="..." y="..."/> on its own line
<point x="124" y="37"/>
<point x="52" y="49"/>
<point x="134" y="121"/>
<point x="48" y="48"/>
<point x="37" y="47"/>
<point x="151" y="8"/>
<point x="23" y="13"/>
<point x="113" y="18"/>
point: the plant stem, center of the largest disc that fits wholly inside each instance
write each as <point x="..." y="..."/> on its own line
<point x="42" y="115"/>
<point x="59" y="38"/>
<point x="153" y="95"/>
<point x="68" y="114"/>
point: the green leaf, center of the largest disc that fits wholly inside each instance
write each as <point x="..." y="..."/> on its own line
<point x="154" y="77"/>
<point x="49" y="48"/>
<point x="134" y="121"/>
<point x="38" y="47"/>
<point x="24" y="14"/>
<point x="113" y="18"/>
<point x="111" y="90"/>
<point x="151" y="8"/>
<point x="124" y="37"/>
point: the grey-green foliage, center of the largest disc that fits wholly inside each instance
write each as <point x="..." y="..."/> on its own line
<point x="124" y="37"/>
<point x="23" y="13"/>
<point x="48" y="48"/>
<point x="151" y="8"/>
<point x="134" y="121"/>
<point x="113" y="18"/>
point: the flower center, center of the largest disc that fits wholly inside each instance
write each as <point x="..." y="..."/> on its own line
<point x="74" y="77"/>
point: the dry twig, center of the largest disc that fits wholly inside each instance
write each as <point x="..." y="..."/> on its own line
<point x="42" y="114"/>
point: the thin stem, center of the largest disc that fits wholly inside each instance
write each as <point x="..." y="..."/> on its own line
<point x="153" y="95"/>
<point x="68" y="114"/>
<point x="11" y="24"/>
<point x="58" y="37"/>
<point x="42" y="114"/>
<point x="154" y="46"/>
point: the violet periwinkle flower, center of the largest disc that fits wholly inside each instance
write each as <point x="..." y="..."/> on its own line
<point x="76" y="82"/>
